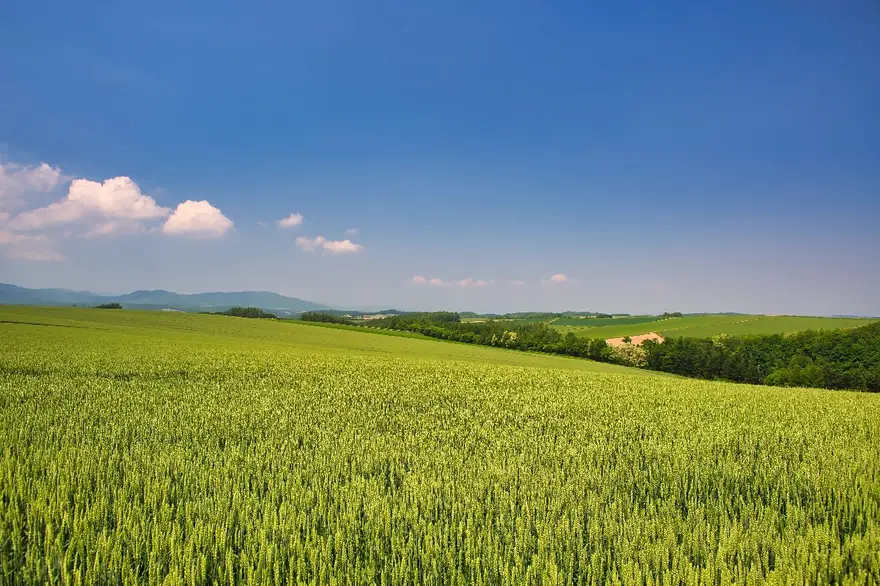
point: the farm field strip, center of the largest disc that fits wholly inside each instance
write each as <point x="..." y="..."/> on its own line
<point x="593" y="322"/>
<point x="711" y="325"/>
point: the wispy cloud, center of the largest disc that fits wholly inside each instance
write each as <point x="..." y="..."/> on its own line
<point x="469" y="282"/>
<point x="17" y="180"/>
<point x="516" y="282"/>
<point x="291" y="221"/>
<point x="437" y="282"/>
<point x="352" y="232"/>
<point x="328" y="246"/>
<point x="33" y="247"/>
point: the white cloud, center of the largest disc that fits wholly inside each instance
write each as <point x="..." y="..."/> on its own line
<point x="557" y="278"/>
<point x="116" y="198"/>
<point x="469" y="282"/>
<point x="291" y="221"/>
<point x="418" y="280"/>
<point x="197" y="219"/>
<point x="437" y="283"/>
<point x="330" y="246"/>
<point x="516" y="282"/>
<point x="342" y="246"/>
<point x="16" y="180"/>
<point x="352" y="232"/>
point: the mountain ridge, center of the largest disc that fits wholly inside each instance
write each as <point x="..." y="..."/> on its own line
<point x="160" y="299"/>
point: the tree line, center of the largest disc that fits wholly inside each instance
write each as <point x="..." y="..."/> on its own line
<point x="527" y="336"/>
<point x="835" y="359"/>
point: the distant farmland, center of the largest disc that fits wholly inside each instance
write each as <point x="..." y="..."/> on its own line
<point x="704" y="326"/>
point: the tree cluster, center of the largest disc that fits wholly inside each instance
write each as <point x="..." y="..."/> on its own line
<point x="328" y="317"/>
<point x="835" y="359"/>
<point x="114" y="305"/>
<point x="251" y="312"/>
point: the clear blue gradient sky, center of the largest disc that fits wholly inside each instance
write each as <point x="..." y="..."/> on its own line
<point x="676" y="156"/>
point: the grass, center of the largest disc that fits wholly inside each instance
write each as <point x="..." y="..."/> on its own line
<point x="706" y="326"/>
<point x="150" y="448"/>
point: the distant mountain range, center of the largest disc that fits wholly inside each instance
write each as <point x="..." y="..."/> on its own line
<point x="160" y="299"/>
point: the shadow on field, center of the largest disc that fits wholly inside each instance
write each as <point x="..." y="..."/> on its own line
<point x="33" y="323"/>
<point x="116" y="376"/>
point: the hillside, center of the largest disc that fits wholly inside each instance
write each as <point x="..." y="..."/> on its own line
<point x="198" y="332"/>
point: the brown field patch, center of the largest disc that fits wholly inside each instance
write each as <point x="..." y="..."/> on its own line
<point x="636" y="340"/>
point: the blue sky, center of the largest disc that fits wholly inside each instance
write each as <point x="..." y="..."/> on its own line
<point x="672" y="156"/>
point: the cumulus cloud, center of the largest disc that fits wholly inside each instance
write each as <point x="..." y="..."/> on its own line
<point x="437" y="282"/>
<point x="557" y="278"/>
<point x="419" y="280"/>
<point x="90" y="209"/>
<point x="116" y="198"/>
<point x="329" y="246"/>
<point x="291" y="221"/>
<point x="197" y="219"/>
<point x="17" y="180"/>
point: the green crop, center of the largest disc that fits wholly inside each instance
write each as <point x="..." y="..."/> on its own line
<point x="140" y="448"/>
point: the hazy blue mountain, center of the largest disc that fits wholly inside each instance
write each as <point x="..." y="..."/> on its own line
<point x="12" y="294"/>
<point x="160" y="299"/>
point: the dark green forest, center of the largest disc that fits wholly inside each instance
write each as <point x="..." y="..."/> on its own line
<point x="834" y="359"/>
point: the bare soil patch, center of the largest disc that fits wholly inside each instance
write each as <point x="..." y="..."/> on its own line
<point x="636" y="340"/>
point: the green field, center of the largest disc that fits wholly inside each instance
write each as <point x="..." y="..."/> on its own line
<point x="593" y="322"/>
<point x="165" y="448"/>
<point x="706" y="326"/>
